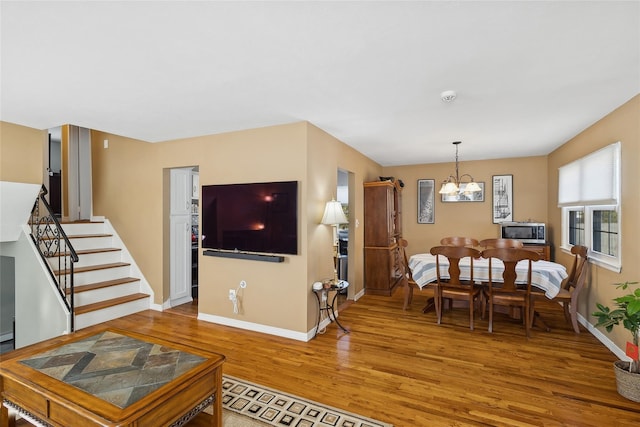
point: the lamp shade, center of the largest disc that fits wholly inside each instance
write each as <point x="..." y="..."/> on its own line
<point x="448" y="188"/>
<point x="472" y="187"/>
<point x="333" y="214"/>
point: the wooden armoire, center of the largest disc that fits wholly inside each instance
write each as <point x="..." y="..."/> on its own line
<point x="382" y="229"/>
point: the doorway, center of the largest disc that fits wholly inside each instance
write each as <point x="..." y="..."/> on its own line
<point x="68" y="172"/>
<point x="345" y="231"/>
<point x="184" y="235"/>
<point x="54" y="170"/>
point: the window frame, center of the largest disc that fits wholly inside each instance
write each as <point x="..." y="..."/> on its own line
<point x="613" y="263"/>
<point x="566" y="225"/>
<point x="575" y="195"/>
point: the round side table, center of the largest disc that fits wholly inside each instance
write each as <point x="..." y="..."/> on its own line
<point x="329" y="306"/>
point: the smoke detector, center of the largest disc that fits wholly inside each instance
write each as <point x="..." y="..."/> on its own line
<point x="448" y="95"/>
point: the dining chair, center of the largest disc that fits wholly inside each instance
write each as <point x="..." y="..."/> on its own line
<point x="570" y="288"/>
<point x="454" y="288"/>
<point x="459" y="241"/>
<point x="500" y="243"/>
<point x="504" y="290"/>
<point x="410" y="283"/>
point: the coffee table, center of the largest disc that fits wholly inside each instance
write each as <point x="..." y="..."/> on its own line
<point x="109" y="377"/>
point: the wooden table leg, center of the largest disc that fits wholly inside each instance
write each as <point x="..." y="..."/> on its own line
<point x="216" y="420"/>
<point x="7" y="418"/>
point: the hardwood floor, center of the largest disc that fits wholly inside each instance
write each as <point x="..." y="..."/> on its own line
<point x="400" y="367"/>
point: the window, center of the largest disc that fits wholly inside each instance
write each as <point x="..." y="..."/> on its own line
<point x="576" y="227"/>
<point x="605" y="232"/>
<point x="589" y="194"/>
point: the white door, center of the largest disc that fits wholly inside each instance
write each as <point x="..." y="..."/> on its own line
<point x="180" y="237"/>
<point x="79" y="171"/>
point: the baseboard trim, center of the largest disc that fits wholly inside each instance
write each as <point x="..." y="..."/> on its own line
<point x="620" y="354"/>
<point x="256" y="327"/>
<point x="359" y="295"/>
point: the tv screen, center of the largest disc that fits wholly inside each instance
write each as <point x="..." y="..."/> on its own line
<point x="257" y="217"/>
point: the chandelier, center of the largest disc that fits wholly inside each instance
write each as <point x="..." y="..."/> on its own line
<point x="452" y="184"/>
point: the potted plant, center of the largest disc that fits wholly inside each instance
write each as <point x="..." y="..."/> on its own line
<point x="627" y="312"/>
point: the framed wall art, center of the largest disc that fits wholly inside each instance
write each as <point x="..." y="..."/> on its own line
<point x="502" y="206"/>
<point x="462" y="196"/>
<point x="426" y="201"/>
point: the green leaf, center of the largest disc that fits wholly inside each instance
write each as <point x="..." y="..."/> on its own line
<point x="633" y="308"/>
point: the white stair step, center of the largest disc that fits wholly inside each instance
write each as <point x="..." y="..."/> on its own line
<point x="90" y="241"/>
<point x="89" y="257"/>
<point x="83" y="227"/>
<point x="84" y="318"/>
<point x="98" y="294"/>
<point x="99" y="273"/>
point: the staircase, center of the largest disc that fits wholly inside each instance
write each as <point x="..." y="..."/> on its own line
<point x="107" y="284"/>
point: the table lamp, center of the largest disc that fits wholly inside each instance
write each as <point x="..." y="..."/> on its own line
<point x="334" y="216"/>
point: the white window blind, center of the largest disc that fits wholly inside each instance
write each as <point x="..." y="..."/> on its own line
<point x="591" y="180"/>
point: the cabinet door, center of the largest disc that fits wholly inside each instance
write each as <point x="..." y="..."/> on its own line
<point x="397" y="207"/>
<point x="382" y="270"/>
<point x="180" y="236"/>
<point x="181" y="191"/>
<point x="379" y="215"/>
<point x="195" y="185"/>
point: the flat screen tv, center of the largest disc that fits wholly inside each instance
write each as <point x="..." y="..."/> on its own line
<point x="258" y="217"/>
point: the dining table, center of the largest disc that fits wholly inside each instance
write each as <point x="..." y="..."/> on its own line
<point x="545" y="275"/>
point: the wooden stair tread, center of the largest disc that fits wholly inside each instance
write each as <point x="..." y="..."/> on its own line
<point x="88" y="236"/>
<point x="104" y="284"/>
<point x="92" y="268"/>
<point x="78" y="236"/>
<point x="89" y="251"/>
<point x="108" y="303"/>
<point x="81" y="221"/>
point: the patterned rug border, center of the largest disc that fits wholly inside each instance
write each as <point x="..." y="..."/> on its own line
<point x="278" y="408"/>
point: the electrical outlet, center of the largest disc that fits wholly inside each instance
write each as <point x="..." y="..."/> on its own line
<point x="243" y="284"/>
<point x="232" y="294"/>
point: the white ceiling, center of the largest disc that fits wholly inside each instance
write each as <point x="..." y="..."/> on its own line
<point x="529" y="74"/>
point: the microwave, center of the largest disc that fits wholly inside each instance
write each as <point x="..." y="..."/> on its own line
<point x="526" y="232"/>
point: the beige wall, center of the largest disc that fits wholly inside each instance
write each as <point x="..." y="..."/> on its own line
<point x="21" y="153"/>
<point x="127" y="190"/>
<point x="472" y="219"/>
<point x="131" y="189"/>
<point x="326" y="155"/>
<point x="623" y="125"/>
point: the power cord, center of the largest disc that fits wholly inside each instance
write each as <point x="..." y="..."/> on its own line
<point x="235" y="297"/>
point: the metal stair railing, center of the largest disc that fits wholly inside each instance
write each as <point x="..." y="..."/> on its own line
<point x="55" y="248"/>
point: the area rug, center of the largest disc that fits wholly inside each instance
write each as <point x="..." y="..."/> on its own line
<point x="275" y="408"/>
